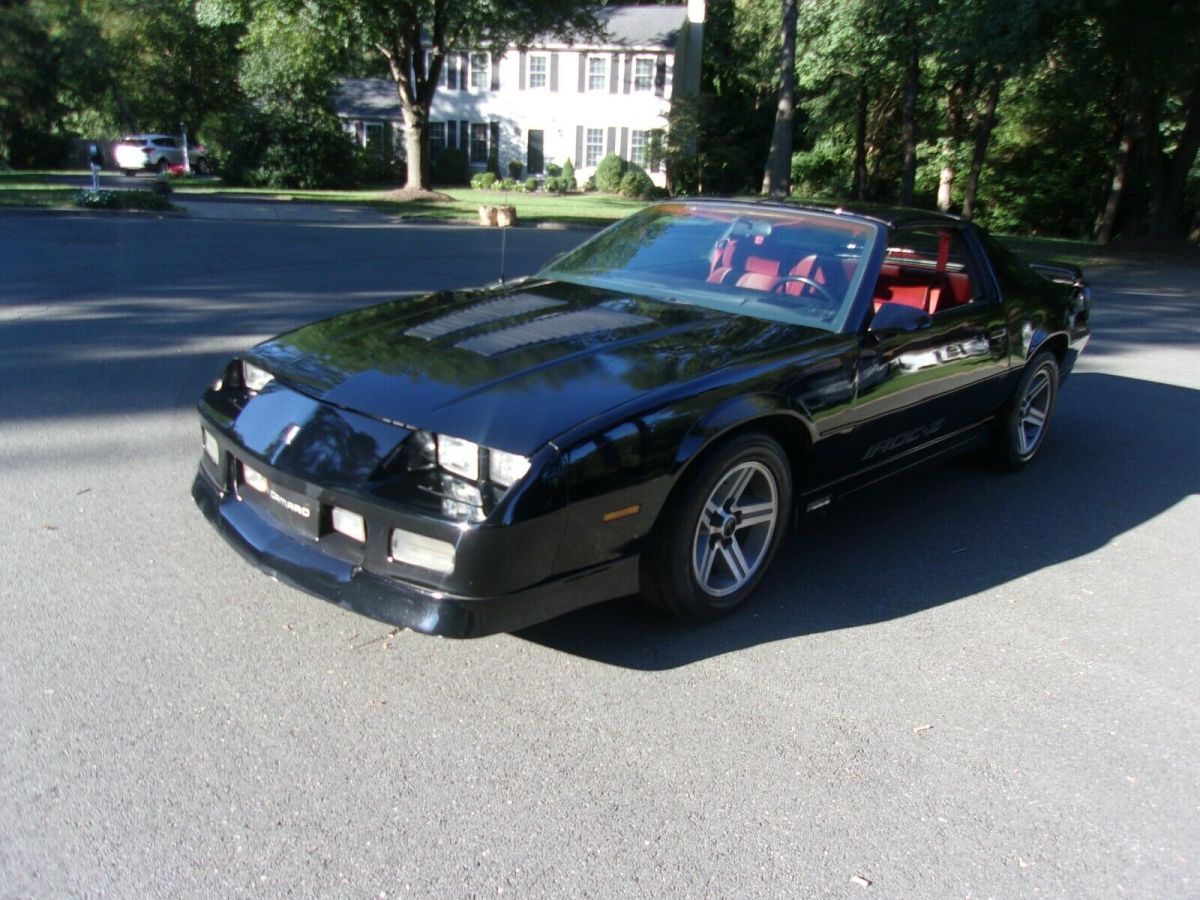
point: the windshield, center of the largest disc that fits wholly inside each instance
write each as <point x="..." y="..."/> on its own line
<point x="796" y="266"/>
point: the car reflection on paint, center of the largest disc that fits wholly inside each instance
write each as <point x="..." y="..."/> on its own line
<point x="646" y="415"/>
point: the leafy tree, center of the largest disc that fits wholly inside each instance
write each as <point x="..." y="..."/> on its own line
<point x="28" y="81"/>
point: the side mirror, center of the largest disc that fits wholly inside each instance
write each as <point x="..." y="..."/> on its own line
<point x="896" y="318"/>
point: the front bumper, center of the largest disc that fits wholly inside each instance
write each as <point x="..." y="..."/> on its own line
<point x="395" y="601"/>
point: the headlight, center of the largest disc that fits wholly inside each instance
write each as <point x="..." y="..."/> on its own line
<point x="505" y="469"/>
<point x="458" y="456"/>
<point x="255" y="378"/>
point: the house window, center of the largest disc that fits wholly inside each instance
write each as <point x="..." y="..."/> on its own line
<point x="637" y="148"/>
<point x="593" y="146"/>
<point x="597" y="72"/>
<point x="537" y="70"/>
<point x="374" y="141"/>
<point x="441" y="73"/>
<point x="479" y="144"/>
<point x="480" y="77"/>
<point x="437" y="138"/>
<point x="643" y="74"/>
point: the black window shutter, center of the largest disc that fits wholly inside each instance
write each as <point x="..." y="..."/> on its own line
<point x="451" y="136"/>
<point x="553" y="73"/>
<point x="611" y="145"/>
<point x="464" y="130"/>
<point x="629" y="64"/>
<point x="578" y="146"/>
<point x="615" y="75"/>
<point x="522" y="77"/>
<point x="624" y="143"/>
<point x="495" y="142"/>
<point x="660" y="76"/>
<point x="495" y="72"/>
<point x="583" y="67"/>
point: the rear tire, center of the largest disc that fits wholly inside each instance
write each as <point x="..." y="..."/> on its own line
<point x="720" y="529"/>
<point x="1023" y="421"/>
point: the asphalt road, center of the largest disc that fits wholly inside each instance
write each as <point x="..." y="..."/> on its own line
<point x="963" y="685"/>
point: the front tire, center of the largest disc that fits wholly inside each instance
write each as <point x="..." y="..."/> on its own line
<point x="1022" y="423"/>
<point x="720" y="529"/>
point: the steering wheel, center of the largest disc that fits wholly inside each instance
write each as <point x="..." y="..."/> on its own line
<point x="823" y="293"/>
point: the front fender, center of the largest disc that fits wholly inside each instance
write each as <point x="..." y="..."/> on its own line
<point x="739" y="411"/>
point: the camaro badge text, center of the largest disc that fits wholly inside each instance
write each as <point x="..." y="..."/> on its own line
<point x="904" y="438"/>
<point x="298" y="508"/>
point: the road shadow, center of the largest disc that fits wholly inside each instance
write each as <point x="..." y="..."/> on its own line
<point x="1121" y="452"/>
<point x="121" y="317"/>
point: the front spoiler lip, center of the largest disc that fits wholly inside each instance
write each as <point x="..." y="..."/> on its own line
<point x="398" y="602"/>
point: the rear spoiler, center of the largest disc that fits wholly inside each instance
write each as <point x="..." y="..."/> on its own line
<point x="1059" y="273"/>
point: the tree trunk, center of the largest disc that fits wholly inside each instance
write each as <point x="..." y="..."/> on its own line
<point x="945" y="194"/>
<point x="1108" y="220"/>
<point x="416" y="148"/>
<point x="912" y="84"/>
<point x="416" y="85"/>
<point x="982" y="138"/>
<point x="778" y="173"/>
<point x="858" y="188"/>
<point x="1171" y="171"/>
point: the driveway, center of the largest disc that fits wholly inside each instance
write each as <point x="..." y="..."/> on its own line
<point x="961" y="685"/>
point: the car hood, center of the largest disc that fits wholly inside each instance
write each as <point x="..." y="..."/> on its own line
<point x="514" y="367"/>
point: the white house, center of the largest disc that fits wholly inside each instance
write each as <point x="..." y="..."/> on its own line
<point x="552" y="101"/>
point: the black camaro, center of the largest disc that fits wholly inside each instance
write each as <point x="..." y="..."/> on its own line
<point x="647" y="414"/>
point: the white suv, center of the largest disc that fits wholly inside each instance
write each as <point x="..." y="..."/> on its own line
<point x="157" y="153"/>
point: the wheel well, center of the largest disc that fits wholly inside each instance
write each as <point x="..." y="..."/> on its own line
<point x="788" y="431"/>
<point x="1056" y="345"/>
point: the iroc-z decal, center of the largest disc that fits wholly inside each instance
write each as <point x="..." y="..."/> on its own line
<point x="896" y="441"/>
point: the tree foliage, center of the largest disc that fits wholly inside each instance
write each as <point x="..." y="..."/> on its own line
<point x="1073" y="117"/>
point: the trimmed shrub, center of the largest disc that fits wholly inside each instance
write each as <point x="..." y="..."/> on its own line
<point x="493" y="163"/>
<point x="636" y="183"/>
<point x="450" y="167"/>
<point x="553" y="170"/>
<point x="377" y="170"/>
<point x="483" y="181"/>
<point x="530" y="185"/>
<point x="146" y="200"/>
<point x="609" y="172"/>
<point x="281" y="149"/>
<point x="568" y="175"/>
<point x="515" y="168"/>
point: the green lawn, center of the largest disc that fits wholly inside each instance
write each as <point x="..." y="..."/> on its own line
<point x="31" y="193"/>
<point x="30" y="189"/>
<point x="575" y="209"/>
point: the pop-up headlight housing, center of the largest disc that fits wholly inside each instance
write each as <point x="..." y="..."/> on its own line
<point x="255" y="378"/>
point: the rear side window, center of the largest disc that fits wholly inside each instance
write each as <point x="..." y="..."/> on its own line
<point x="929" y="268"/>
